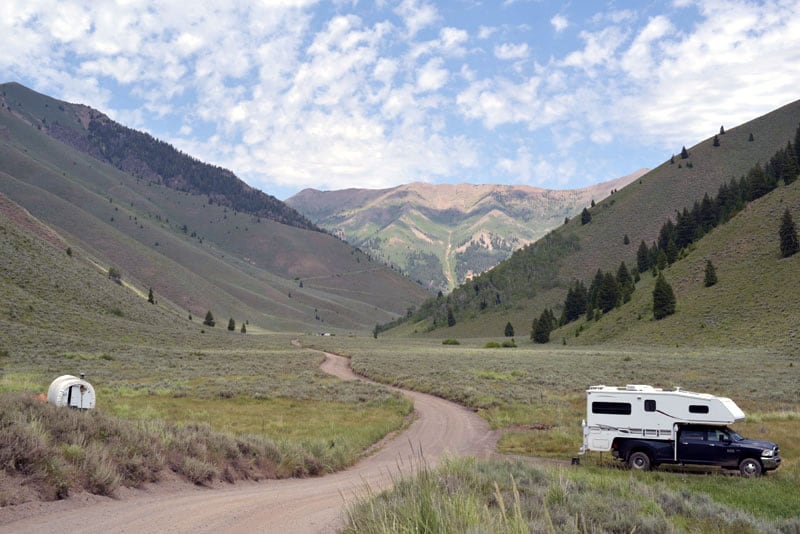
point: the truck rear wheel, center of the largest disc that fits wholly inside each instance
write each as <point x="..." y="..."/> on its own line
<point x="750" y="467"/>
<point x="639" y="461"/>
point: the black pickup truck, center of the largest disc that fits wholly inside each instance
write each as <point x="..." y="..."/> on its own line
<point x="700" y="445"/>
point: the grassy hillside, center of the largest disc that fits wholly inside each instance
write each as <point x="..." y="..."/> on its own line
<point x="172" y="394"/>
<point x="193" y="252"/>
<point x="441" y="235"/>
<point x="537" y="276"/>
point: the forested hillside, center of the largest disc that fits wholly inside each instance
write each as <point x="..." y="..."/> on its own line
<point x="538" y="277"/>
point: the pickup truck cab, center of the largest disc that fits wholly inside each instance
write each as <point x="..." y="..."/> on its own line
<point x="700" y="445"/>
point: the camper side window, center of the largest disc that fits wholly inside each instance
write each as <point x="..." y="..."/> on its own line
<point x="698" y="408"/>
<point x="649" y="405"/>
<point x="612" y="408"/>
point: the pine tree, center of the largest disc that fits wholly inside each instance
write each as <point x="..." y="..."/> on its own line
<point x="751" y="138"/>
<point x="509" y="331"/>
<point x="231" y="324"/>
<point x="209" y="320"/>
<point x="451" y="319"/>
<point x="150" y="297"/>
<point x="625" y="282"/>
<point x="643" y="257"/>
<point x="663" y="298"/>
<point x="626" y="240"/>
<point x="721" y="130"/>
<point x="716" y="141"/>
<point x="684" y="153"/>
<point x="586" y="217"/>
<point x="575" y="303"/>
<point x="711" y="274"/>
<point x="788" y="233"/>
<point x="608" y="295"/>
<point x="244" y="329"/>
<point x="541" y="327"/>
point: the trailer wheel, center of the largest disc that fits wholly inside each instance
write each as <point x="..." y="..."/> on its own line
<point x="639" y="461"/>
<point x="750" y="468"/>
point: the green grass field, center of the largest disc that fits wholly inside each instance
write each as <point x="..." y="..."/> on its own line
<point x="536" y="396"/>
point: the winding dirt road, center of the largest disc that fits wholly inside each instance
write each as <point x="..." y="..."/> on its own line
<point x="294" y="505"/>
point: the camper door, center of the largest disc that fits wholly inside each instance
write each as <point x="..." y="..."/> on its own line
<point x="75" y="396"/>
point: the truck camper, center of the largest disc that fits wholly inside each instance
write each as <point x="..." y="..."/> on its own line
<point x="646" y="426"/>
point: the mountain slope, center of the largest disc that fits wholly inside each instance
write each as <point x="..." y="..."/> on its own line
<point x="141" y="155"/>
<point x="537" y="276"/>
<point x="442" y="235"/>
<point x="192" y="251"/>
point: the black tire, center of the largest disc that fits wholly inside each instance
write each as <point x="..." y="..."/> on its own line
<point x="750" y="468"/>
<point x="639" y="461"/>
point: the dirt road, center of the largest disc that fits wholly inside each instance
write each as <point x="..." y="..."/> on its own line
<point x="283" y="506"/>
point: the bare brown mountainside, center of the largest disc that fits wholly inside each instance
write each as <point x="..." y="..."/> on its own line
<point x="537" y="275"/>
<point x="443" y="234"/>
<point x="196" y="252"/>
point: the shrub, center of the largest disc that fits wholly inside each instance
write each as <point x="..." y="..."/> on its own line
<point x="451" y="342"/>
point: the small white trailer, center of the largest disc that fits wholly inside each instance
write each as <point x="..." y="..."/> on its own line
<point x="644" y="411"/>
<point x="72" y="392"/>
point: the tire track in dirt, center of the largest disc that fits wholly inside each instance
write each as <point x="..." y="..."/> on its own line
<point x="295" y="505"/>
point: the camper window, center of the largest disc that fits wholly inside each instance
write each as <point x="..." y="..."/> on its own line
<point x="649" y="405"/>
<point x="698" y="408"/>
<point x="612" y="408"/>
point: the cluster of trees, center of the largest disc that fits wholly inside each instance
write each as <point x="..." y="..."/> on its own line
<point x="145" y="156"/>
<point x="691" y="225"/>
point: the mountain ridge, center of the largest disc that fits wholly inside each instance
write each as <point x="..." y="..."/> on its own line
<point x="422" y="228"/>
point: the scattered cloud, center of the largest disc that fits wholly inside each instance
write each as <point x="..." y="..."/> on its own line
<point x="559" y="22"/>
<point x="312" y="94"/>
<point x="509" y="51"/>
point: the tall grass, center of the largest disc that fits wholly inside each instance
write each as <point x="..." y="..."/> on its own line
<point x="59" y="451"/>
<point x="468" y="495"/>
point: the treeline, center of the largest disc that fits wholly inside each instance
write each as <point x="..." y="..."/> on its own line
<point x="608" y="291"/>
<point x="147" y="157"/>
<point x="732" y="197"/>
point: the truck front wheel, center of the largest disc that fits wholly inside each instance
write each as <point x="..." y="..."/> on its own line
<point x="639" y="461"/>
<point x="750" y="467"/>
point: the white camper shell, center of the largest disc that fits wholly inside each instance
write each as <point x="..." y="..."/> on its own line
<point x="646" y="412"/>
<point x="71" y="391"/>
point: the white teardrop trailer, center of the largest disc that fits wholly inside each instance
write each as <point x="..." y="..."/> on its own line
<point x="646" y="426"/>
<point x="72" y="392"/>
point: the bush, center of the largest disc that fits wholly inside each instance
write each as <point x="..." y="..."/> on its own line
<point x="451" y="342"/>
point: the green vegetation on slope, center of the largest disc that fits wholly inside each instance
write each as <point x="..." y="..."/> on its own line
<point x="537" y="276"/>
<point x="172" y="394"/>
<point x="196" y="254"/>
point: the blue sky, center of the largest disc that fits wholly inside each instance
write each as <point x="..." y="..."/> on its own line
<point x="292" y="94"/>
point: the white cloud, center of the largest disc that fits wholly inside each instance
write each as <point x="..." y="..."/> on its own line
<point x="485" y="32"/>
<point x="432" y="76"/>
<point x="417" y="15"/>
<point x="559" y="22"/>
<point x="508" y="51"/>
<point x="600" y="48"/>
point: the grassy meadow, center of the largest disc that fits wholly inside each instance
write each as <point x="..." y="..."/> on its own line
<point x="536" y="397"/>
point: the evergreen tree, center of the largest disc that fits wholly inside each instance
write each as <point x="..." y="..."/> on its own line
<point x="244" y="329"/>
<point x="672" y="159"/>
<point x="751" y="138"/>
<point x="626" y="240"/>
<point x="509" y="331"/>
<point x="150" y="297"/>
<point x="661" y="262"/>
<point x="592" y="203"/>
<point x="609" y="294"/>
<point x="541" y="327"/>
<point x="671" y="254"/>
<point x="377" y="329"/>
<point x="575" y="303"/>
<point x="663" y="298"/>
<point x="716" y="141"/>
<point x="721" y="130"/>
<point x="625" y="282"/>
<point x="788" y="233"/>
<point x="791" y="166"/>
<point x="231" y="324"/>
<point x="684" y="153"/>
<point x="209" y="320"/>
<point x="115" y="275"/>
<point x="586" y="217"/>
<point x="757" y="180"/>
<point x="451" y="320"/>
<point x="711" y="274"/>
<point x="642" y="257"/>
